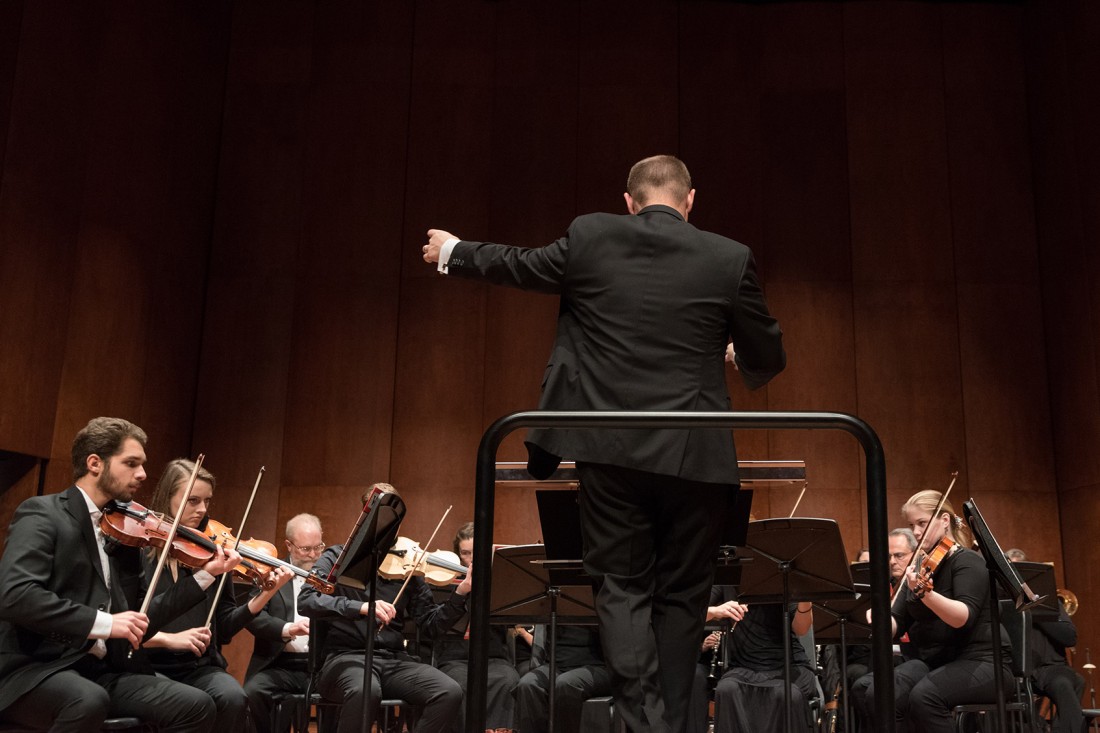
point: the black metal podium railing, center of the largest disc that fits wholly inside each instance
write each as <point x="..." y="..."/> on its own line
<point x="485" y="497"/>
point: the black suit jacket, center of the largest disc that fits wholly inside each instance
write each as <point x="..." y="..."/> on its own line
<point x="51" y="585"/>
<point x="267" y="627"/>
<point x="648" y="304"/>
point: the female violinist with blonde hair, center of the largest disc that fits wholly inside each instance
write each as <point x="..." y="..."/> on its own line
<point x="946" y="616"/>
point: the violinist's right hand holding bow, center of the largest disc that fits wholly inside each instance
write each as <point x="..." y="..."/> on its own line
<point x="383" y="612"/>
<point x="129" y="625"/>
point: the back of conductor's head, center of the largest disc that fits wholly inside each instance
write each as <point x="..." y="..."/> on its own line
<point x="659" y="179"/>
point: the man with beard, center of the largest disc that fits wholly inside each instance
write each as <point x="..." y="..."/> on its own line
<point x="278" y="663"/>
<point x="66" y="625"/>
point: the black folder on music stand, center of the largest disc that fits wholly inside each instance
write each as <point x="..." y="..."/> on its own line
<point x="357" y="566"/>
<point x="791" y="560"/>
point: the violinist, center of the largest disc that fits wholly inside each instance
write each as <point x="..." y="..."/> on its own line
<point x="278" y="662"/>
<point x="395" y="673"/>
<point x="66" y="618"/>
<point x="186" y="650"/>
<point x="944" y="608"/>
<point x="452" y="651"/>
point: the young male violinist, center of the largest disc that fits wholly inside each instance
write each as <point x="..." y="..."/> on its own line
<point x="396" y="674"/>
<point x="67" y="618"/>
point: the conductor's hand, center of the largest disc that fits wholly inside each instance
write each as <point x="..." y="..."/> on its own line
<point x="384" y="612"/>
<point x="436" y="238"/>
<point x="129" y="625"/>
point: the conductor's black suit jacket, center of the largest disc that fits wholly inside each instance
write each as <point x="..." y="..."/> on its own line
<point x="648" y="304"/>
<point x="51" y="585"/>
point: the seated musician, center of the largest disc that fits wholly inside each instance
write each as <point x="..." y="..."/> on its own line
<point x="948" y="625"/>
<point x="750" y="695"/>
<point x="451" y="653"/>
<point x="709" y="665"/>
<point x="581" y="674"/>
<point x="188" y="649"/>
<point x="1052" y="676"/>
<point x="902" y="544"/>
<point x="278" y="663"/>
<point x="67" y="609"/>
<point x="395" y="673"/>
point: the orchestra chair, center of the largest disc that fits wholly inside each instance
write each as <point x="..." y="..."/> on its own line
<point x="311" y="707"/>
<point x="1021" y="709"/>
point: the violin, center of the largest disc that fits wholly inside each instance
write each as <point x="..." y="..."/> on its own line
<point x="440" y="568"/>
<point x="134" y="525"/>
<point x="931" y="560"/>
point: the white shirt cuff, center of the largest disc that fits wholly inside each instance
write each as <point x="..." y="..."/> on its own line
<point x="101" y="628"/>
<point x="204" y="579"/>
<point x="445" y="254"/>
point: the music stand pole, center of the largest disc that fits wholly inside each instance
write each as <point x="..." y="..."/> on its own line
<point x="368" y="648"/>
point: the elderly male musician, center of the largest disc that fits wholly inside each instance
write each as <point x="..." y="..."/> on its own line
<point x="278" y="662"/>
<point x="648" y="304"/>
<point x="67" y="618"/>
<point x="395" y="673"/>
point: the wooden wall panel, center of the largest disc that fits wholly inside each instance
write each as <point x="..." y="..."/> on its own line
<point x="627" y="96"/>
<point x="440" y="344"/>
<point x="534" y="132"/>
<point x="241" y="409"/>
<point x="40" y="193"/>
<point x="341" y="380"/>
<point x="11" y="23"/>
<point x="908" y="381"/>
<point x="897" y="145"/>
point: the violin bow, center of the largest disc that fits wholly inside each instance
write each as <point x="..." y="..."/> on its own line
<point x="171" y="537"/>
<point x="419" y="560"/>
<point x="240" y="533"/>
<point x="799" y="501"/>
<point x="920" y="547"/>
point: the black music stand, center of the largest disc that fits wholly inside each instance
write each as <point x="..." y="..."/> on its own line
<point x="529" y="589"/>
<point x="357" y="566"/>
<point x="1001" y="572"/>
<point x="845" y="619"/>
<point x="796" y="559"/>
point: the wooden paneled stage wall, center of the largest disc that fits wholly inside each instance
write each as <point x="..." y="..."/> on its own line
<point x="211" y="215"/>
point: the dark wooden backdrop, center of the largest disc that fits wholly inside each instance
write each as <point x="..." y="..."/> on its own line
<point x="211" y="214"/>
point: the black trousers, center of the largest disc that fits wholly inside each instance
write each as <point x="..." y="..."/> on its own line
<point x="262" y="687"/>
<point x="436" y="696"/>
<point x="923" y="699"/>
<point x="651" y="545"/>
<point x="1064" y="687"/>
<point x="571" y="688"/>
<point x="501" y="701"/>
<point x="70" y="702"/>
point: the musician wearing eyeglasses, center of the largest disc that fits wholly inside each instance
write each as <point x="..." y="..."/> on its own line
<point x="279" y="659"/>
<point x="946" y="615"/>
<point x="395" y="673"/>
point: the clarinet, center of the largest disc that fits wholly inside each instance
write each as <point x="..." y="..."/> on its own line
<point x="716" y="660"/>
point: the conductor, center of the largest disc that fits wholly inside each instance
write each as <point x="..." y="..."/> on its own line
<point x="648" y="305"/>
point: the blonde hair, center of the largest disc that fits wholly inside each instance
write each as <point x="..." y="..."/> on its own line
<point x="927" y="501"/>
<point x="174" y="478"/>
